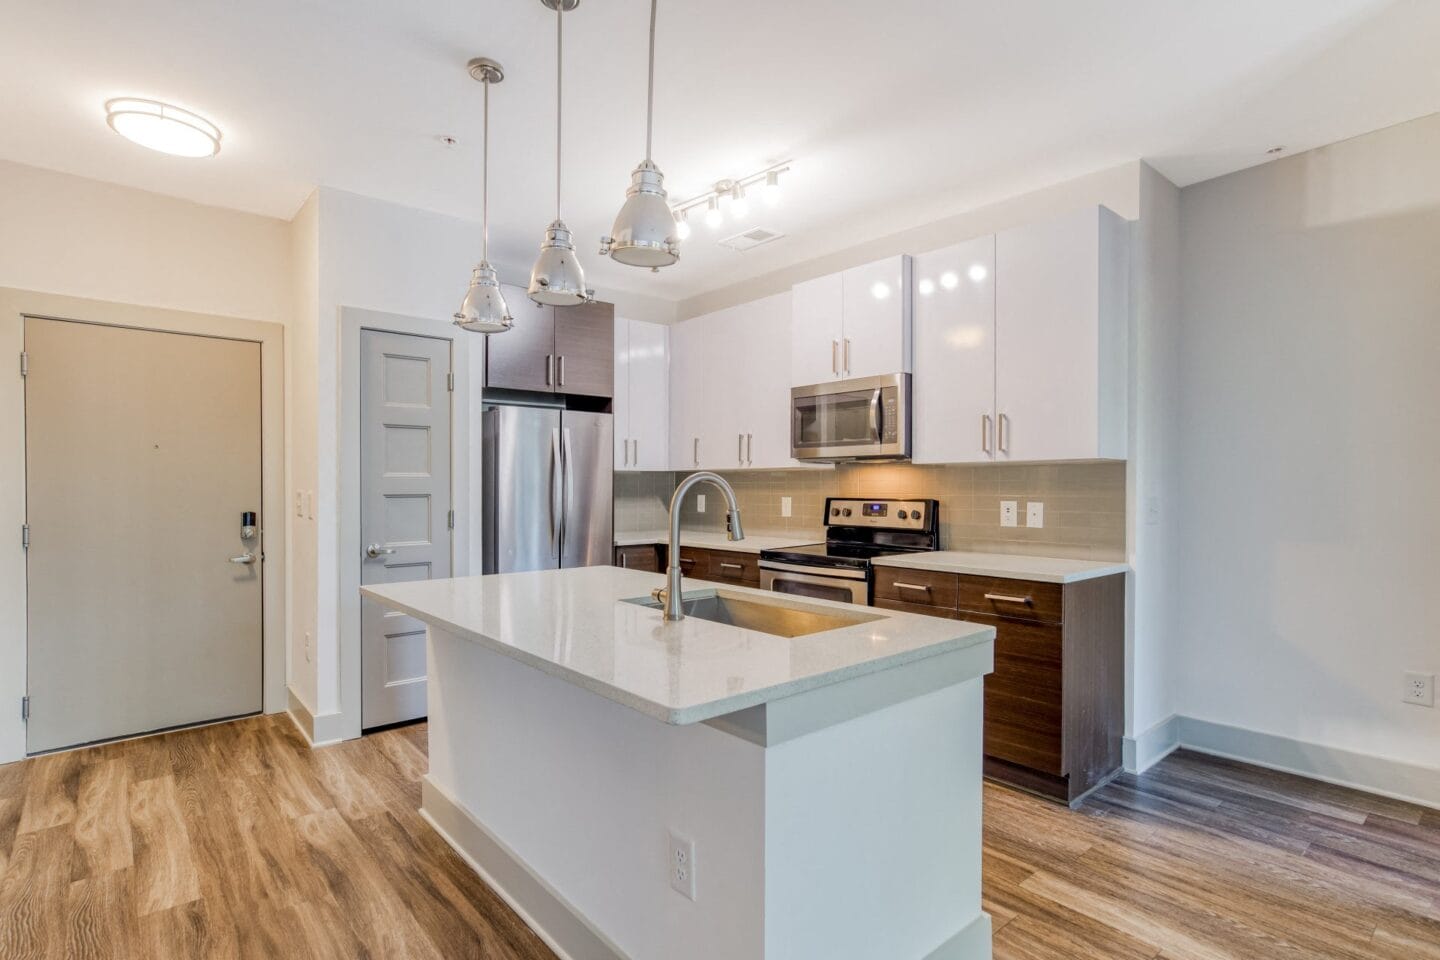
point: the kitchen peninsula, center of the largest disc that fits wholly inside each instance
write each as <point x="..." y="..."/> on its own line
<point x="766" y="778"/>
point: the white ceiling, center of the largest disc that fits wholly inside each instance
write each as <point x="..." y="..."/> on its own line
<point x="895" y="113"/>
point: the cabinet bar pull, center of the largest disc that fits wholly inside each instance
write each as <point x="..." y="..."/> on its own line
<point x="1002" y="434"/>
<point x="740" y="448"/>
<point x="685" y="560"/>
<point x="835" y="357"/>
<point x="549" y="368"/>
<point x="1002" y="598"/>
<point x="697" y="451"/>
<point x="624" y="560"/>
<point x="912" y="586"/>
<point x="985" y="432"/>
<point x="847" y="354"/>
<point x="732" y="566"/>
<point x="560" y="366"/>
<point x="749" y="449"/>
<point x="635" y="458"/>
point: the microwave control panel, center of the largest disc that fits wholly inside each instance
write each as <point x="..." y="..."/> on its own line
<point x="891" y="419"/>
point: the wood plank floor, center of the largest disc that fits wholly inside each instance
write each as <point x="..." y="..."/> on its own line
<point x="237" y="841"/>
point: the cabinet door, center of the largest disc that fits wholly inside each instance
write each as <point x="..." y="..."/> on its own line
<point x="522" y="358"/>
<point x="649" y="400"/>
<point x="1060" y="316"/>
<point x="585" y="349"/>
<point x="764" y="333"/>
<point x="621" y="404"/>
<point x="876" y="334"/>
<point x="816" y="330"/>
<point x="953" y="413"/>
<point x="686" y="366"/>
<point x="724" y="388"/>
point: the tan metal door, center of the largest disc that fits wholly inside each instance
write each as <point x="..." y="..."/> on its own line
<point x="405" y="531"/>
<point x="142" y="452"/>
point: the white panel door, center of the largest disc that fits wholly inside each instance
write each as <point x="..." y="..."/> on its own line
<point x="404" y="509"/>
<point x="142" y="452"/>
<point x="620" y="396"/>
<point x="953" y="412"/>
<point x="648" y="414"/>
<point x="1047" y="338"/>
<point x="816" y="330"/>
<point x="876" y="336"/>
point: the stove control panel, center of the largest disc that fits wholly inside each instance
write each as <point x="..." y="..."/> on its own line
<point x="886" y="514"/>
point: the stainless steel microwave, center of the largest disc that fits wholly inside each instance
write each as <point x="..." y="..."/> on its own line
<point x="863" y="419"/>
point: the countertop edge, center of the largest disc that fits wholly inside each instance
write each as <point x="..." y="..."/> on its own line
<point x="981" y="569"/>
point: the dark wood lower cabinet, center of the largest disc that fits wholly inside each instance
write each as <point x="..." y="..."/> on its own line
<point x="1054" y="707"/>
<point x="719" y="566"/>
<point x="645" y="557"/>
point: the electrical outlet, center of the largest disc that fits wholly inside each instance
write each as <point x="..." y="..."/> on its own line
<point x="1420" y="689"/>
<point x="307" y="646"/>
<point x="1009" y="513"/>
<point x="300" y="503"/>
<point x="680" y="864"/>
<point x="1034" y="514"/>
<point x="699" y="503"/>
<point x="785" y="510"/>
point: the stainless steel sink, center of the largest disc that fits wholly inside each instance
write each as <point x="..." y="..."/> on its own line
<point x="779" y="618"/>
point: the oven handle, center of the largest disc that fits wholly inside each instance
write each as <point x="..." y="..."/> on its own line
<point x="859" y="589"/>
<point x="832" y="573"/>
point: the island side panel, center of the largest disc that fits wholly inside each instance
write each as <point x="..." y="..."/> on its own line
<point x="873" y="833"/>
<point x="584" y="791"/>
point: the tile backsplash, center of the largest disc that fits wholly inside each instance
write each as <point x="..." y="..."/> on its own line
<point x="1084" y="503"/>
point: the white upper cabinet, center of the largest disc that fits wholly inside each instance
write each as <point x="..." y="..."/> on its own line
<point x="642" y="395"/>
<point x="852" y="324"/>
<point x="1061" y="315"/>
<point x="953" y="391"/>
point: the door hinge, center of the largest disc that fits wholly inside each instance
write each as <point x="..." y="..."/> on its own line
<point x="24" y="709"/>
<point x="25" y="536"/>
<point x="450" y="381"/>
<point x="450" y="519"/>
<point x="24" y="364"/>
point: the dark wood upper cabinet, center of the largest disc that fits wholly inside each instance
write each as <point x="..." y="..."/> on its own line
<point x="553" y="349"/>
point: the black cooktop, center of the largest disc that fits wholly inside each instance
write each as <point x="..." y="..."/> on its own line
<point x="831" y="554"/>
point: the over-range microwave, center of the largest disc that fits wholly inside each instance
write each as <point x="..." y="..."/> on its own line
<point x="862" y="419"/>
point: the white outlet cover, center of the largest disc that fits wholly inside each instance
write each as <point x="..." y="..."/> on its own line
<point x="1034" y="514"/>
<point x="1009" y="513"/>
<point x="1420" y="689"/>
<point x="699" y="503"/>
<point x="680" y="864"/>
<point x="785" y="509"/>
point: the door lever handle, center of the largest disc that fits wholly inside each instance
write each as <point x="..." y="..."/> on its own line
<point x="246" y="558"/>
<point x="375" y="550"/>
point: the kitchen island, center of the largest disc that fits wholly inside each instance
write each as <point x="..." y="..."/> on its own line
<point x="654" y="790"/>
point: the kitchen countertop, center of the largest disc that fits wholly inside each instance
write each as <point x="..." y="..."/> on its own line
<point x="709" y="540"/>
<point x="1013" y="566"/>
<point x="574" y="624"/>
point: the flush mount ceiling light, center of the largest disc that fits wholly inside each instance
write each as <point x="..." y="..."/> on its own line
<point x="163" y="127"/>
<point x="484" y="309"/>
<point x="645" y="233"/>
<point x="557" y="278"/>
<point x="731" y="195"/>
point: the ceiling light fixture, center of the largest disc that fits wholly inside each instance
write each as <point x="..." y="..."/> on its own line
<point x="557" y="278"/>
<point x="682" y="227"/>
<point x="484" y="309"/>
<point x="645" y="234"/>
<point x="163" y="127"/>
<point x="733" y="195"/>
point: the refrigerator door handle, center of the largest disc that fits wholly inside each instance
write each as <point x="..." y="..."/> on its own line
<point x="569" y="479"/>
<point x="557" y="509"/>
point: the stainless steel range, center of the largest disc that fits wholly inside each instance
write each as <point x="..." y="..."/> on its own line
<point x="856" y="532"/>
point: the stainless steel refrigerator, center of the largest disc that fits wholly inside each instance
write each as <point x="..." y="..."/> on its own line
<point x="546" y="488"/>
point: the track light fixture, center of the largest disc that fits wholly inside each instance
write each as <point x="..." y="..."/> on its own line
<point x="731" y="196"/>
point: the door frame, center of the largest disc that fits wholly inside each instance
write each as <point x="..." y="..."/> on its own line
<point x="15" y="306"/>
<point x="465" y="348"/>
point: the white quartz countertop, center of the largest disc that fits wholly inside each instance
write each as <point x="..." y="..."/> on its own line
<point x="717" y="541"/>
<point x="574" y="624"/>
<point x="1042" y="569"/>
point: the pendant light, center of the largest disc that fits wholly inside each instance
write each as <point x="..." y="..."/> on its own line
<point x="557" y="278"/>
<point x="645" y="234"/>
<point x="484" y="309"/>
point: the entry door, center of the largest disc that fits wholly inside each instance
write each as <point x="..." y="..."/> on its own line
<point x="405" y="531"/>
<point x="142" y="451"/>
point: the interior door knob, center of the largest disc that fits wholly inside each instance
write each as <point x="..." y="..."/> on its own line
<point x="375" y="550"/>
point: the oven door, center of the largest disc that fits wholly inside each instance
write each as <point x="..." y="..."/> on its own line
<point x="796" y="581"/>
<point x="851" y="419"/>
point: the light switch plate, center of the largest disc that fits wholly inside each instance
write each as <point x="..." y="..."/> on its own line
<point x="699" y="503"/>
<point x="1009" y="513"/>
<point x="785" y="510"/>
<point x="1034" y="514"/>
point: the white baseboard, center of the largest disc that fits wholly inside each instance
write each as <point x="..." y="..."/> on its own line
<point x="318" y="731"/>
<point x="563" y="929"/>
<point x="1397" y="779"/>
<point x="1150" y="746"/>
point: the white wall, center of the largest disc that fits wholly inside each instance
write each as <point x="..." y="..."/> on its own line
<point x="1309" y="534"/>
<point x="300" y="383"/>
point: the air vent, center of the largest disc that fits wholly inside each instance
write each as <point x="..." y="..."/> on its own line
<point x="750" y="239"/>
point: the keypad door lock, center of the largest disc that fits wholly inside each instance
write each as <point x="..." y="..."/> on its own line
<point x="248" y="530"/>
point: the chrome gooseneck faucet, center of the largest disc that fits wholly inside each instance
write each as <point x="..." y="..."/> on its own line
<point x="669" y="595"/>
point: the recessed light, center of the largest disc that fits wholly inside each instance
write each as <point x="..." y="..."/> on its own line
<point x="163" y="127"/>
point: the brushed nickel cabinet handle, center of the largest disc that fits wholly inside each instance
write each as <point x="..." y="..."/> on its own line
<point x="726" y="565"/>
<point x="549" y="369"/>
<point x="835" y="357"/>
<point x="560" y="370"/>
<point x="985" y="432"/>
<point x="847" y="354"/>
<point x="1002" y="434"/>
<point x="635" y="458"/>
<point x="1002" y="598"/>
<point x="740" y="448"/>
<point x="749" y="449"/>
<point x="912" y="586"/>
<point x="697" y="451"/>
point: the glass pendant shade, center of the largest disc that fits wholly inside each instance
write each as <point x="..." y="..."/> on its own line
<point x="645" y="234"/>
<point x="484" y="309"/>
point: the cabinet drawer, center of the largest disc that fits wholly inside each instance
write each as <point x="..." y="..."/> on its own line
<point x="695" y="562"/>
<point x="923" y="587"/>
<point x="734" y="567"/>
<point x="644" y="557"/>
<point x="917" y="608"/>
<point x="1017" y="599"/>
